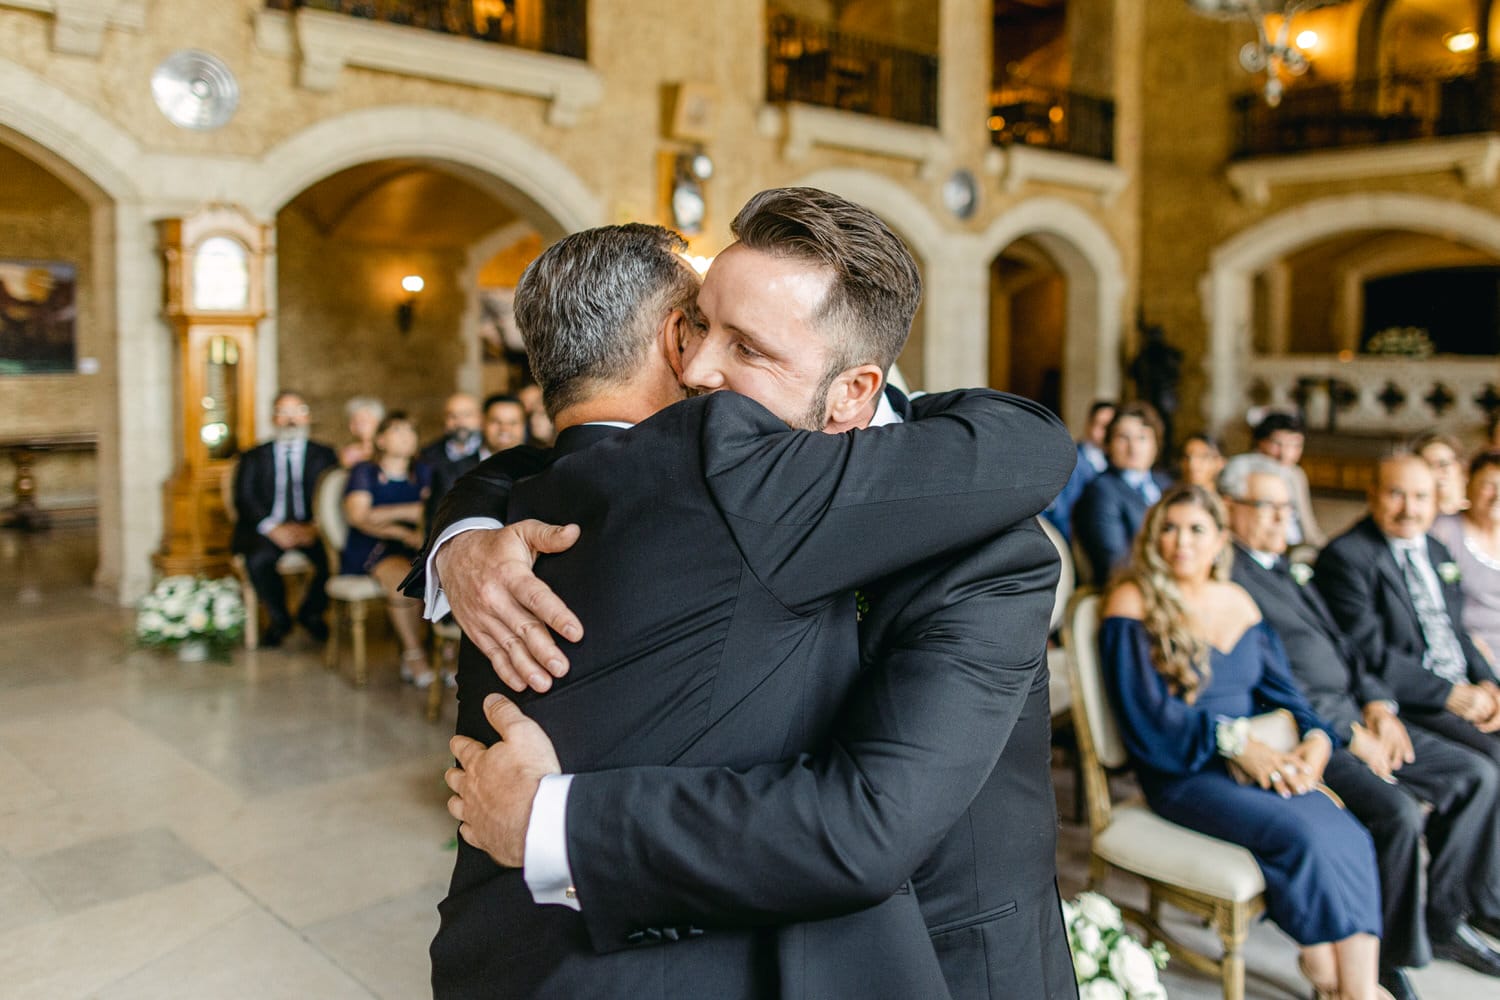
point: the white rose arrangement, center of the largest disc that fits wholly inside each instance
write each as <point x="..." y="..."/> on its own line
<point x="185" y="608"/>
<point x="1401" y="341"/>
<point x="1110" y="964"/>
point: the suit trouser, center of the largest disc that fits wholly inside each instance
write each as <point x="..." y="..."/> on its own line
<point x="260" y="565"/>
<point x="1463" y="840"/>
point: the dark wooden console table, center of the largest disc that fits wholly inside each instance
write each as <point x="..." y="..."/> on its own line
<point x="24" y="514"/>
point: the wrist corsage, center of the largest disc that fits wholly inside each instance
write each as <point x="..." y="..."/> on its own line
<point x="1231" y="736"/>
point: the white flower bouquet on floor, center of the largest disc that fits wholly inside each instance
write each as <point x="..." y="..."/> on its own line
<point x="1110" y="964"/>
<point x="187" y="609"/>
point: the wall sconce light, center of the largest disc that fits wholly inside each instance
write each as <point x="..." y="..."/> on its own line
<point x="411" y="284"/>
<point x="689" y="171"/>
<point x="1461" y="41"/>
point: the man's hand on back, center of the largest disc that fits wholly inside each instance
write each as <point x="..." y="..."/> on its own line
<point x="493" y="787"/>
<point x="501" y="605"/>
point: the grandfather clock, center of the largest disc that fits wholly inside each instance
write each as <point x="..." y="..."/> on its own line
<point x="215" y="295"/>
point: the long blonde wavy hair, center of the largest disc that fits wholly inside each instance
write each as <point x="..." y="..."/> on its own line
<point x="1178" y="655"/>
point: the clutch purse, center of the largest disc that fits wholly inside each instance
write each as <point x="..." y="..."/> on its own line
<point x="1277" y="730"/>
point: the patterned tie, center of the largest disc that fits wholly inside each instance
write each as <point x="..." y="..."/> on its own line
<point x="294" y="510"/>
<point x="1444" y="655"/>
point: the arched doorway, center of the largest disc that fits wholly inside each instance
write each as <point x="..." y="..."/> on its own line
<point x="1254" y="311"/>
<point x="69" y="199"/>
<point x="1057" y="286"/>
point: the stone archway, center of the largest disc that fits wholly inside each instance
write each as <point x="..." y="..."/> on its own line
<point x="1095" y="275"/>
<point x="100" y="162"/>
<point x="1227" y="289"/>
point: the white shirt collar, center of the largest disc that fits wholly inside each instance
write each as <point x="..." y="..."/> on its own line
<point x="1266" y="559"/>
<point x="885" y="413"/>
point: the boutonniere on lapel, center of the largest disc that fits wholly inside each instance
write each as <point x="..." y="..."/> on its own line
<point x="1301" y="573"/>
<point x="1449" y="572"/>
<point x="861" y="605"/>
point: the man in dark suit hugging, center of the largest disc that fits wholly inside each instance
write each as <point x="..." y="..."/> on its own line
<point x="955" y="675"/>
<point x="1389" y="771"/>
<point x="274" y="485"/>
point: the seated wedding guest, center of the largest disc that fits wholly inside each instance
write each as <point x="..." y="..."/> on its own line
<point x="1394" y="591"/>
<point x="1201" y="461"/>
<point x="460" y="438"/>
<point x="273" y="500"/>
<point x="1280" y="436"/>
<point x="539" y="430"/>
<point x="1186" y="656"/>
<point x="504" y="427"/>
<point x="1091" y="462"/>
<point x="383" y="503"/>
<point x="1473" y="539"/>
<point x="1461" y="787"/>
<point x="1444" y="455"/>
<point x="1112" y="507"/>
<point x="365" y="414"/>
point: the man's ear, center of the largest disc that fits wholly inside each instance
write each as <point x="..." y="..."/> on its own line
<point x="671" y="336"/>
<point x="852" y="392"/>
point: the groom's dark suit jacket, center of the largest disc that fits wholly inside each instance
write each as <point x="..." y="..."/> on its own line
<point x="715" y="575"/>
<point x="1358" y="576"/>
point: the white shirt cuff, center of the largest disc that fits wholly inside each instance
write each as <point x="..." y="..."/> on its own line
<point x="548" y="874"/>
<point x="266" y="524"/>
<point x="435" y="605"/>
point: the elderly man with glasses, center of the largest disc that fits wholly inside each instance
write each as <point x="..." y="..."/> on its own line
<point x="1388" y="771"/>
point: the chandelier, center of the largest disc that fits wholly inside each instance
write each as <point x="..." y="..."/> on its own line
<point x="1271" y="54"/>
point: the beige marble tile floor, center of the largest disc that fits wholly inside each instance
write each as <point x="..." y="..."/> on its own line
<point x="260" y="828"/>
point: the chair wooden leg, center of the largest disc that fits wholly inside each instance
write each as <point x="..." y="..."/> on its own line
<point x="252" y="617"/>
<point x="1232" y="924"/>
<point x="331" y="653"/>
<point x="435" y="689"/>
<point x="358" y="612"/>
<point x="1098" y="871"/>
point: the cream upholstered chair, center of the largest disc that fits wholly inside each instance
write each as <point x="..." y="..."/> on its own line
<point x="293" y="565"/>
<point x="1211" y="879"/>
<point x="1058" y="686"/>
<point x="349" y="594"/>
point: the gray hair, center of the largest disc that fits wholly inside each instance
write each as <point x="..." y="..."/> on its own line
<point x="588" y="307"/>
<point x="370" y="403"/>
<point x="876" y="284"/>
<point x="1234" y="481"/>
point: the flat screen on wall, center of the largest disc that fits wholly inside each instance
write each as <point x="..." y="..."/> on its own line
<point x="38" y="312"/>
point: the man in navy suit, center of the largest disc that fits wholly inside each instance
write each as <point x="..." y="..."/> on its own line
<point x="1388" y="771"/>
<point x="1091" y="462"/>
<point x="1113" y="506"/>
<point x="1394" y="590"/>
<point x="274" y="485"/>
<point x="955" y="650"/>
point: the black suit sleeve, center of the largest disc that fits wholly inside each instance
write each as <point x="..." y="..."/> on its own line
<point x="480" y="492"/>
<point x="818" y="514"/>
<point x="253" y="497"/>
<point x="1346" y="577"/>
<point x="834" y="832"/>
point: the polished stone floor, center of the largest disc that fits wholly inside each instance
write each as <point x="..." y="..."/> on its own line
<point x="255" y="829"/>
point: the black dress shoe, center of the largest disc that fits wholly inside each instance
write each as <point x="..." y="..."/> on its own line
<point x="272" y="636"/>
<point x="1467" y="948"/>
<point x="1489" y="925"/>
<point x="316" y="628"/>
<point x="1395" y="983"/>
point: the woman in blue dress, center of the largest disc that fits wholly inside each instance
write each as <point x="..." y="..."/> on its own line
<point x="1186" y="654"/>
<point x="383" y="504"/>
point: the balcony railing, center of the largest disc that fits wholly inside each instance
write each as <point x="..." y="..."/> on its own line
<point x="556" y="26"/>
<point x="1061" y="120"/>
<point x="813" y="64"/>
<point x="1394" y="108"/>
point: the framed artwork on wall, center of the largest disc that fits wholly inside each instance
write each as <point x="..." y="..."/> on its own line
<point x="38" y="317"/>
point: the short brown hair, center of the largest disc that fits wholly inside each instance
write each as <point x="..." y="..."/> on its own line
<point x="1138" y="410"/>
<point x="876" y="285"/>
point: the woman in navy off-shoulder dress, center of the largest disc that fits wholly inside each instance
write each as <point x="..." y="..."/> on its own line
<point x="1185" y="654"/>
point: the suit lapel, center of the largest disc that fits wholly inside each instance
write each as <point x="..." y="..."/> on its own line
<point x="1385" y="565"/>
<point x="1439" y="555"/>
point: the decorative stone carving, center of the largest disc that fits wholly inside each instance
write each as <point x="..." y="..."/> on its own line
<point x="79" y="25"/>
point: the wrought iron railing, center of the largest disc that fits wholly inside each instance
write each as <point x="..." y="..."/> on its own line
<point x="557" y="26"/>
<point x="814" y="64"/>
<point x="1393" y="108"/>
<point x="1063" y="120"/>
